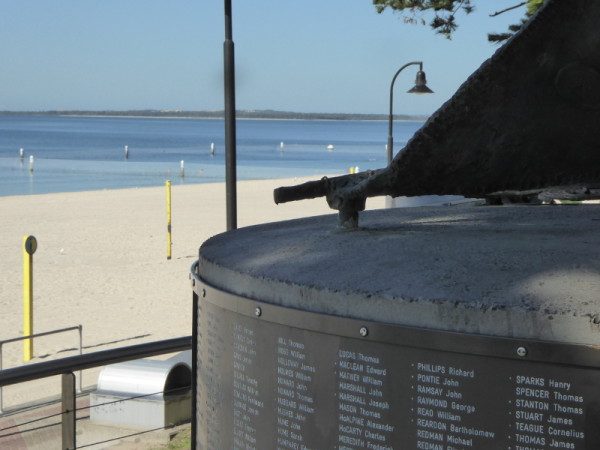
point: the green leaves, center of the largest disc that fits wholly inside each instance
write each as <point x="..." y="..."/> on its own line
<point x="444" y="20"/>
<point x="533" y="6"/>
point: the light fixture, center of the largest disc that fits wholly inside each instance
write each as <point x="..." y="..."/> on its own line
<point x="420" y="87"/>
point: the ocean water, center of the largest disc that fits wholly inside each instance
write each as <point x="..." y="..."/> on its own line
<point x="88" y="153"/>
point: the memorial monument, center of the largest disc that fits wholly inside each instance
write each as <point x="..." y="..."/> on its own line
<point x="463" y="327"/>
<point x="526" y="119"/>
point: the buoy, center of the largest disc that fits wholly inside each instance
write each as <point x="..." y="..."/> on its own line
<point x="330" y="147"/>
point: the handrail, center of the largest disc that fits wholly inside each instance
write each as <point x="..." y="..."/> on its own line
<point x="89" y="360"/>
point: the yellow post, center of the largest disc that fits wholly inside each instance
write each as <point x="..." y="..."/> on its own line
<point x="169" y="244"/>
<point x="29" y="248"/>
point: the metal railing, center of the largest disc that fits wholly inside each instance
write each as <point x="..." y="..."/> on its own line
<point x="66" y="366"/>
<point x="32" y="336"/>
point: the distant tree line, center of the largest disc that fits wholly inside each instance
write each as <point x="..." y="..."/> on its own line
<point x="242" y="114"/>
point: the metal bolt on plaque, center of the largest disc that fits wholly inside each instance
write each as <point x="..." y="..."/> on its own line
<point x="522" y="351"/>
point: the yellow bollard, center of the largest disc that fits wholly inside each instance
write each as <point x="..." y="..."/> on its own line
<point x="169" y="244"/>
<point x="29" y="248"/>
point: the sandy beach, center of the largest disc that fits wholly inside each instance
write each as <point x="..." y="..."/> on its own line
<point x="101" y="260"/>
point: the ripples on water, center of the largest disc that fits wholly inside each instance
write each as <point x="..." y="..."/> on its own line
<point x="88" y="153"/>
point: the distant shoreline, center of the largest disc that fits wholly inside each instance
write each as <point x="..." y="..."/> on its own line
<point x="240" y="114"/>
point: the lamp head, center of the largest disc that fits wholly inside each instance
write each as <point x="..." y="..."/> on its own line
<point x="420" y="86"/>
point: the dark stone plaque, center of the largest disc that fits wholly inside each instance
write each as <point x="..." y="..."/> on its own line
<point x="274" y="377"/>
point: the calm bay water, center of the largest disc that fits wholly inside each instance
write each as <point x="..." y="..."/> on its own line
<point x="87" y="153"/>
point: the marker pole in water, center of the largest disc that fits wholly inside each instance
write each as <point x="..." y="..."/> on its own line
<point x="29" y="247"/>
<point x="169" y="244"/>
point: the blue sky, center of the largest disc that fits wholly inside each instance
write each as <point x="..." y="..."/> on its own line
<point x="308" y="56"/>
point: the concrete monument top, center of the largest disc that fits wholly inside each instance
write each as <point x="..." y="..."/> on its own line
<point x="514" y="271"/>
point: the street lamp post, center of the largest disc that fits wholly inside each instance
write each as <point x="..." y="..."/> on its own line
<point x="230" y="132"/>
<point x="420" y="87"/>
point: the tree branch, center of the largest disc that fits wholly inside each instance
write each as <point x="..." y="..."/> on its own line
<point x="458" y="7"/>
<point x="497" y="13"/>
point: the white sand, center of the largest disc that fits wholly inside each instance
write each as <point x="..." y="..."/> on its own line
<point x="101" y="259"/>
